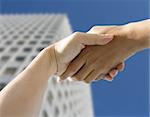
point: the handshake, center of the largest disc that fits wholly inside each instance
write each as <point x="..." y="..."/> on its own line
<point x="100" y="53"/>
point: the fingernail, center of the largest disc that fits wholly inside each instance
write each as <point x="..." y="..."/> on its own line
<point x="113" y="73"/>
<point x="107" y="79"/>
<point x="116" y="73"/>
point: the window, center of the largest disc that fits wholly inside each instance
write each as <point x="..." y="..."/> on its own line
<point x="8" y="42"/>
<point x="45" y="113"/>
<point x="40" y="49"/>
<point x="5" y="58"/>
<point x="10" y="70"/>
<point x="21" y="32"/>
<point x="32" y="42"/>
<point x="37" y="36"/>
<point x="20" y="58"/>
<point x="2" y="85"/>
<point x="27" y="49"/>
<point x="20" y="42"/>
<point x="56" y="112"/>
<point x="1" y="49"/>
<point x="26" y="37"/>
<point x="50" y="97"/>
<point x="15" y="36"/>
<point x="46" y="42"/>
<point x="13" y="49"/>
<point x="5" y="37"/>
<point x="49" y="36"/>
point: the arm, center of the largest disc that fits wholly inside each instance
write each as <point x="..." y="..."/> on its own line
<point x="131" y="38"/>
<point x="22" y="97"/>
<point x="128" y="40"/>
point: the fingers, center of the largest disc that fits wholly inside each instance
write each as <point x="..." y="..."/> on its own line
<point x="113" y="73"/>
<point x="110" y="76"/>
<point x="87" y="75"/>
<point x="92" y="76"/>
<point x="82" y="73"/>
<point x="71" y="70"/>
<point x="121" y="66"/>
<point x="73" y="67"/>
<point x="93" y="39"/>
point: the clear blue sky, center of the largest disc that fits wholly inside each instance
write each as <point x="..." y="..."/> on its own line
<point x="128" y="93"/>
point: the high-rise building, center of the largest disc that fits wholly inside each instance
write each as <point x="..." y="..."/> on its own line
<point x="21" y="38"/>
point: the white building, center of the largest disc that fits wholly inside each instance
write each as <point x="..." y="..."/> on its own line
<point x="21" y="39"/>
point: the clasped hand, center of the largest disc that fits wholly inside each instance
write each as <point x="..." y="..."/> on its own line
<point x="100" y="53"/>
<point x="75" y="52"/>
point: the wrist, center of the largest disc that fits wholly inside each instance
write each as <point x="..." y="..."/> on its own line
<point x="43" y="65"/>
<point x="140" y="32"/>
<point x="51" y="59"/>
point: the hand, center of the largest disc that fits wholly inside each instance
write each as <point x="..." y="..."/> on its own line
<point x="94" y="61"/>
<point x="111" y="74"/>
<point x="120" y="67"/>
<point x="67" y="49"/>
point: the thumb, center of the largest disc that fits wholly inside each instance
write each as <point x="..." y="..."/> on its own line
<point x="95" y="39"/>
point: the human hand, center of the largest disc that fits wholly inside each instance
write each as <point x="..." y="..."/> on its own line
<point x="67" y="49"/>
<point x="98" y="60"/>
<point x="74" y="66"/>
<point x="120" y="67"/>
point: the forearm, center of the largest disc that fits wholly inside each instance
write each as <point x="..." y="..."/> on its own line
<point x="133" y="37"/>
<point x="27" y="89"/>
<point x="23" y="96"/>
<point x="139" y="31"/>
<point x="128" y="40"/>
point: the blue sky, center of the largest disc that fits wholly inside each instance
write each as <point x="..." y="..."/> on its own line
<point x="128" y="93"/>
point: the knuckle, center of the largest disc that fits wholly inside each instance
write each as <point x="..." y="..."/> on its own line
<point x="76" y="34"/>
<point x="94" y="28"/>
<point x="69" y="72"/>
<point x="73" y="68"/>
<point x="91" y="66"/>
<point x="63" y="76"/>
<point x="78" y="77"/>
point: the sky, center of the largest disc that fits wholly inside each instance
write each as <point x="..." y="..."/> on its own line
<point x="128" y="94"/>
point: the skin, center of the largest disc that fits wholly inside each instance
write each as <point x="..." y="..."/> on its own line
<point x="96" y="61"/>
<point x="22" y="97"/>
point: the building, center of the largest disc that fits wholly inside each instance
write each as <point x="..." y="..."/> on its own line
<point x="21" y="38"/>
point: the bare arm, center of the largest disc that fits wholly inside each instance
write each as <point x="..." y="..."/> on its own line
<point x="22" y="97"/>
<point x="94" y="61"/>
